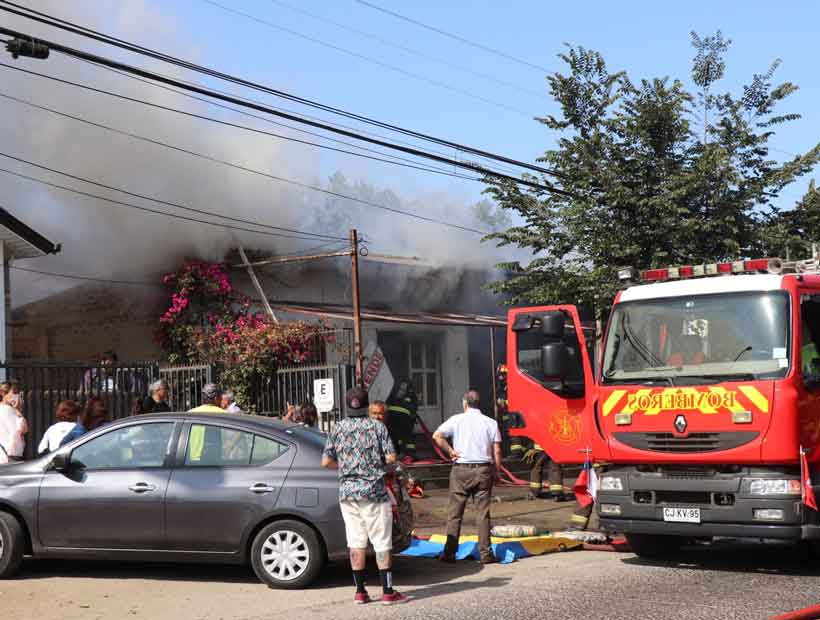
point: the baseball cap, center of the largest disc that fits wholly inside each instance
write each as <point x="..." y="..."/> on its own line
<point x="356" y="400"/>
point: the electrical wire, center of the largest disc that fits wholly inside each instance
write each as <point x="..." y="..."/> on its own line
<point x="379" y="63"/>
<point x="67" y="26"/>
<point x="243" y="168"/>
<point x="261" y="118"/>
<point x="140" y="208"/>
<point x="84" y="278"/>
<point x="235" y="125"/>
<point x="409" y="50"/>
<point x="456" y="37"/>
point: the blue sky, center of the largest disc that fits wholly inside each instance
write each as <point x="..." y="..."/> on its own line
<point x="646" y="39"/>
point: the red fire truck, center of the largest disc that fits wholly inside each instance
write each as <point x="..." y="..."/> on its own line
<point x="705" y="392"/>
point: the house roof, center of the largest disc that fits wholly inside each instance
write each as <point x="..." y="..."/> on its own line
<point x="337" y="311"/>
<point x="20" y="241"/>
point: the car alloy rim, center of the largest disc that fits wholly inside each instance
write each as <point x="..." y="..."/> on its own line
<point x="285" y="555"/>
<point x="1" y="546"/>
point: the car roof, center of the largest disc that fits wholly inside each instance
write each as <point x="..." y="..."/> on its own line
<point x="259" y="422"/>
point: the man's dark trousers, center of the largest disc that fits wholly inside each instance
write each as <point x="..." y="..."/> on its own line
<point x="470" y="480"/>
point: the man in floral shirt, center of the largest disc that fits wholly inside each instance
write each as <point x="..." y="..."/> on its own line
<point x="360" y="448"/>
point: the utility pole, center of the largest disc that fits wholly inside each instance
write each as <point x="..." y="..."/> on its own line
<point x="357" y="315"/>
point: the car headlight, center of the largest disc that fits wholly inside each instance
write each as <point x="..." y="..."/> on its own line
<point x="611" y="483"/>
<point x="774" y="487"/>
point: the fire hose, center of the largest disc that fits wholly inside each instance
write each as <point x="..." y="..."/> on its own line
<point x="505" y="476"/>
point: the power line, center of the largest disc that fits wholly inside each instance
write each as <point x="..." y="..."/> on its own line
<point x="85" y="278"/>
<point x="98" y="36"/>
<point x="456" y="37"/>
<point x="245" y="169"/>
<point x="261" y="118"/>
<point x="503" y="167"/>
<point x="140" y="208"/>
<point x="409" y="50"/>
<point x="236" y="125"/>
<point x="370" y="59"/>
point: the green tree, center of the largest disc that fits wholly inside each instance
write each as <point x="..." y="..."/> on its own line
<point x="790" y="234"/>
<point x="647" y="179"/>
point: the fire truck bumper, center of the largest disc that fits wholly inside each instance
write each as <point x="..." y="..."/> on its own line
<point x="703" y="504"/>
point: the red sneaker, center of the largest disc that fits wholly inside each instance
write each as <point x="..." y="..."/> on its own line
<point x="361" y="598"/>
<point x="394" y="599"/>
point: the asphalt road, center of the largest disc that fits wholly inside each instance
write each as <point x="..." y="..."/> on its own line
<point x="724" y="582"/>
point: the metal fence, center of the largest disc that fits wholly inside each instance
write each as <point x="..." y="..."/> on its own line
<point x="45" y="385"/>
<point x="272" y="394"/>
<point x="185" y="384"/>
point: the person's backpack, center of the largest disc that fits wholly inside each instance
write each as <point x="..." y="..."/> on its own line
<point x="403" y="519"/>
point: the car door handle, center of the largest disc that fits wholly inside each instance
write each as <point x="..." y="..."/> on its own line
<point x="142" y="487"/>
<point x="261" y="487"/>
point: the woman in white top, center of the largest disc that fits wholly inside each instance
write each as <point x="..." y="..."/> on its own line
<point x="67" y="412"/>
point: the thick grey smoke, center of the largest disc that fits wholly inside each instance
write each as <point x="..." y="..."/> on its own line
<point x="110" y="241"/>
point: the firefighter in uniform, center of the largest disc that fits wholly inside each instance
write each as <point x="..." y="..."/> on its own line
<point x="402" y="408"/>
<point x="538" y="457"/>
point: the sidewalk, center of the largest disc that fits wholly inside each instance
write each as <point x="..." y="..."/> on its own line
<point x="510" y="507"/>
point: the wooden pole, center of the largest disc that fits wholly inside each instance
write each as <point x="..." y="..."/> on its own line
<point x="357" y="314"/>
<point x="256" y="284"/>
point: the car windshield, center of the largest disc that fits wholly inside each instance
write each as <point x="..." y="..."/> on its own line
<point x="699" y="338"/>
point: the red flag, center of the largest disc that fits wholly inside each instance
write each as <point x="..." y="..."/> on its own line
<point x="581" y="487"/>
<point x="808" y="492"/>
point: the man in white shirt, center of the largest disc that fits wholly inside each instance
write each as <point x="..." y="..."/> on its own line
<point x="12" y="428"/>
<point x="473" y="441"/>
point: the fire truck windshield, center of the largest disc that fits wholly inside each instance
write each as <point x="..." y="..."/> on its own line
<point x="699" y="338"/>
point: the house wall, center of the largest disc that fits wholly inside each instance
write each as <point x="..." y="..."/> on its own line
<point x="79" y="324"/>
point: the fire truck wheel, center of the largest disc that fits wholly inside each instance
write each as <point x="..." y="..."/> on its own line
<point x="654" y="545"/>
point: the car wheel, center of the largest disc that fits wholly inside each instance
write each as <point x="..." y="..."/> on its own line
<point x="287" y="554"/>
<point x="654" y="545"/>
<point x="12" y="545"/>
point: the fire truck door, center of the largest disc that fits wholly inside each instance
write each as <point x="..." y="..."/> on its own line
<point x="550" y="380"/>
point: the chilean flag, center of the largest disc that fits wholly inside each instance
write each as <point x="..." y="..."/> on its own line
<point x="586" y="486"/>
<point x="805" y="473"/>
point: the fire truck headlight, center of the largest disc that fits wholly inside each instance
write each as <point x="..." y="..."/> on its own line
<point x="612" y="483"/>
<point x="610" y="509"/>
<point x="773" y="487"/>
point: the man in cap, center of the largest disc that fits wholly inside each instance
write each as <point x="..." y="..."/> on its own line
<point x="360" y="448"/>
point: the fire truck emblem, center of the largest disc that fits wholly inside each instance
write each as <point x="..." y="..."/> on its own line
<point x="680" y="423"/>
<point x="565" y="427"/>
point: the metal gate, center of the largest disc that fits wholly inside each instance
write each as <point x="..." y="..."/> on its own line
<point x="185" y="384"/>
<point x="295" y="386"/>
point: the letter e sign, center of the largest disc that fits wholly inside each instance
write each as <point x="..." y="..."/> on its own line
<point x="323" y="395"/>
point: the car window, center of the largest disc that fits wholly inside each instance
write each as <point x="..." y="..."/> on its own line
<point x="266" y="450"/>
<point x="216" y="446"/>
<point x="133" y="447"/>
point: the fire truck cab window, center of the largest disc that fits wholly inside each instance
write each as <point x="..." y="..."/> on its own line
<point x="810" y="339"/>
<point x="697" y="339"/>
<point x="528" y="353"/>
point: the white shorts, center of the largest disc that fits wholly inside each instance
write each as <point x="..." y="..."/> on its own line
<point x="368" y="520"/>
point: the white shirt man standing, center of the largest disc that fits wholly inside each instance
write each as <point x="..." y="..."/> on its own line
<point x="473" y="441"/>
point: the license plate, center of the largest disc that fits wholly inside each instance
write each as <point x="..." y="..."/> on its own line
<point x="682" y="515"/>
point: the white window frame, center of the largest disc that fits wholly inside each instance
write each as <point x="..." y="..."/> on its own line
<point x="425" y="369"/>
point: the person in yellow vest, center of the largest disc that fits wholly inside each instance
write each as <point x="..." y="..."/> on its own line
<point x="211" y="400"/>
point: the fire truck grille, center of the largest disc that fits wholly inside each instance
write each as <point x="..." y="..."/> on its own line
<point x="693" y="442"/>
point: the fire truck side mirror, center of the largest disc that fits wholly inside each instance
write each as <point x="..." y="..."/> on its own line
<point x="555" y="360"/>
<point x="552" y="325"/>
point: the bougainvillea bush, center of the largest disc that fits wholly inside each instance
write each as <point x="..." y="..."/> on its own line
<point x="209" y="322"/>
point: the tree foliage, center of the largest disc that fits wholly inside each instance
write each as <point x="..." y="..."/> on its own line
<point x="653" y="174"/>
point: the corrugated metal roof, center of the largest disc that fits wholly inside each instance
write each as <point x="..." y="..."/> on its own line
<point x="20" y="241"/>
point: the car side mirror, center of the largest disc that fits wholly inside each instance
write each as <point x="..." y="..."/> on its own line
<point x="61" y="461"/>
<point x="552" y="325"/>
<point x="555" y="360"/>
